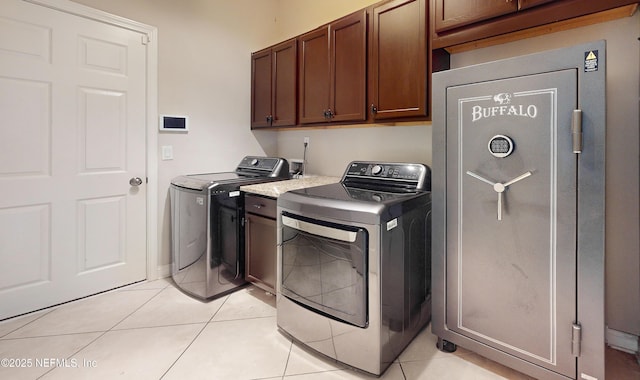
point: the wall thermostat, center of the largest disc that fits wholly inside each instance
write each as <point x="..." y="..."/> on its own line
<point x="500" y="146"/>
<point x="170" y="123"/>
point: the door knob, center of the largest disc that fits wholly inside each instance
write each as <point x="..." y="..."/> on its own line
<point x="135" y="181"/>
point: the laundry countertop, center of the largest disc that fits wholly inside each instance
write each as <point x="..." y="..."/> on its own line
<point x="275" y="189"/>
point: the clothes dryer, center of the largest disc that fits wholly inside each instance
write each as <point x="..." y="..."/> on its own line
<point x="354" y="263"/>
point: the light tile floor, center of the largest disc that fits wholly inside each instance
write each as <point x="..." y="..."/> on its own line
<point x="154" y="331"/>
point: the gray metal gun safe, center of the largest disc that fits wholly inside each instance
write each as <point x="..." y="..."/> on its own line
<point x="518" y="211"/>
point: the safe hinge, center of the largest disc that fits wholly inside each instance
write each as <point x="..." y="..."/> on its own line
<point x="576" y="338"/>
<point x="576" y="130"/>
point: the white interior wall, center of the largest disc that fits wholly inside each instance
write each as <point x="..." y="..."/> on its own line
<point x="295" y="17"/>
<point x="330" y="150"/>
<point x="622" y="152"/>
<point x="204" y="71"/>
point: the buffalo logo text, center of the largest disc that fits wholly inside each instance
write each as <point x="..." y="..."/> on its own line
<point x="503" y="108"/>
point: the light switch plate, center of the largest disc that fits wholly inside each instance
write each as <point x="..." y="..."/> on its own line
<point x="167" y="152"/>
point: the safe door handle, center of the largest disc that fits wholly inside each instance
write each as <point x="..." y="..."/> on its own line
<point x="499" y="187"/>
<point x="519" y="178"/>
<point x="476" y="176"/>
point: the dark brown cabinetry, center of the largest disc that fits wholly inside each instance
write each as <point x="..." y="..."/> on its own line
<point x="451" y="14"/>
<point x="398" y="60"/>
<point x="456" y="22"/>
<point x="260" y="240"/>
<point x="332" y="67"/>
<point x="455" y="13"/>
<point x="524" y="4"/>
<point x="273" y="86"/>
<point x="372" y="65"/>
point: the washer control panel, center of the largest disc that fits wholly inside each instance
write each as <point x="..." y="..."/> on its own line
<point x="264" y="166"/>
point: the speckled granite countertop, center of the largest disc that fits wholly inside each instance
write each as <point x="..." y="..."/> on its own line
<point x="275" y="189"/>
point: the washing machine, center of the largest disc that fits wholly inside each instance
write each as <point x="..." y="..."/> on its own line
<point x="207" y="225"/>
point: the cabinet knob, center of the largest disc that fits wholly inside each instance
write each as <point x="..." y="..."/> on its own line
<point x="270" y="119"/>
<point x="374" y="109"/>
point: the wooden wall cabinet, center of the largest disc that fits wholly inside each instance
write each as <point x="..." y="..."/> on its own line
<point x="332" y="67"/>
<point x="525" y="4"/>
<point x="451" y="14"/>
<point x="260" y="240"/>
<point x="372" y="65"/>
<point x="456" y="13"/>
<point x="398" y="70"/>
<point x="273" y="86"/>
<point x="456" y="22"/>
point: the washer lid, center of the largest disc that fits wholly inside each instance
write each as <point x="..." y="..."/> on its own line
<point x="208" y="180"/>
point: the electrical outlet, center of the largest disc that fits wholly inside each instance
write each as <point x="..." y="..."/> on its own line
<point x="306" y="140"/>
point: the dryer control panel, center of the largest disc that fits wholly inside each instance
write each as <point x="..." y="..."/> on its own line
<point x="417" y="176"/>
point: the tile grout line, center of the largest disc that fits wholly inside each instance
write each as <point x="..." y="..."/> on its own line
<point x="53" y="308"/>
<point x="185" y="350"/>
<point x="194" y="338"/>
<point x="138" y="308"/>
<point x="404" y="375"/>
<point x="75" y="353"/>
<point x="103" y="332"/>
<point x="286" y="363"/>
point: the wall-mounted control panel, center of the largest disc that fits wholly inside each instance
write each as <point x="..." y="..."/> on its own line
<point x="170" y="123"/>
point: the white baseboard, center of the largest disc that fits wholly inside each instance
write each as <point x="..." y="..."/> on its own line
<point x="163" y="271"/>
<point x="623" y="341"/>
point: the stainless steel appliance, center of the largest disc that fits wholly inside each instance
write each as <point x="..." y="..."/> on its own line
<point x="353" y="279"/>
<point x="518" y="206"/>
<point x="207" y="213"/>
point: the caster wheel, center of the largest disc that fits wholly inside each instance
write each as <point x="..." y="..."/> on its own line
<point x="446" y="346"/>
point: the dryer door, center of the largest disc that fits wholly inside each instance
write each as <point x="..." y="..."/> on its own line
<point x="324" y="267"/>
<point x="511" y="216"/>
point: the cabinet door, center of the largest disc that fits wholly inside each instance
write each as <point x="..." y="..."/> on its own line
<point x="284" y="84"/>
<point x="314" y="76"/>
<point x="348" y="67"/>
<point x="261" y="88"/>
<point x="451" y="14"/>
<point x="524" y="4"/>
<point x="261" y="252"/>
<point x="399" y="60"/>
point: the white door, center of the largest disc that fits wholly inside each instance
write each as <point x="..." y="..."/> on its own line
<point x="72" y="103"/>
